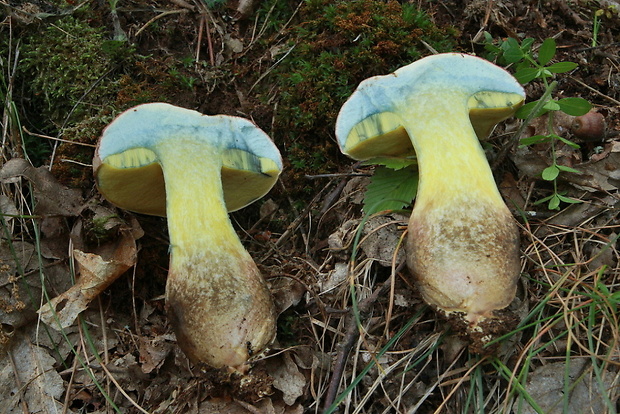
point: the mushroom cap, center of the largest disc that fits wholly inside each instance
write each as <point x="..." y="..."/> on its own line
<point x="128" y="172"/>
<point x="369" y="124"/>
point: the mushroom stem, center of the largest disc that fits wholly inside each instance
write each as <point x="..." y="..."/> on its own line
<point x="460" y="227"/>
<point x="219" y="304"/>
<point x="450" y="158"/>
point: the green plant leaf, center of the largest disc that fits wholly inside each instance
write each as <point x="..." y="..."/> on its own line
<point x="574" y="106"/>
<point x="554" y="202"/>
<point x="568" y="200"/>
<point x="561" y="67"/>
<point x="551" y="105"/>
<point x="550" y="173"/>
<point x="394" y="163"/>
<point x="527" y="43"/>
<point x="390" y="189"/>
<point x="567" y="169"/>
<point x="526" y="109"/>
<point x="534" y="139"/>
<point x="544" y="200"/>
<point x="512" y="50"/>
<point x="526" y="75"/>
<point x="569" y="142"/>
<point x="546" y="51"/>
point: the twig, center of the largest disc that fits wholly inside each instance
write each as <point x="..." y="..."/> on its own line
<point x="316" y="176"/>
<point x="18" y="382"/>
<point x="350" y="338"/>
<point x="57" y="139"/>
<point x="184" y="4"/>
<point x="159" y="16"/>
<point x="595" y="91"/>
<point x="209" y="42"/>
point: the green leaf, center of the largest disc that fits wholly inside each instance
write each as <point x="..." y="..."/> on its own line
<point x="526" y="75"/>
<point x="568" y="200"/>
<point x="526" y="109"/>
<point x="569" y="142"/>
<point x="550" y="173"/>
<point x="561" y="67"/>
<point x="390" y="189"/>
<point x="544" y="200"/>
<point x="534" y="139"/>
<point x="512" y="51"/>
<point x="488" y="37"/>
<point x="527" y="43"/>
<point x="546" y="51"/>
<point x="574" y="106"/>
<point x="551" y="105"/>
<point x="395" y="163"/>
<point x="554" y="202"/>
<point x="567" y="169"/>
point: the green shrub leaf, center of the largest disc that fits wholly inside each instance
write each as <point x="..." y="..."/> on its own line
<point x="391" y="189"/>
<point x="574" y="106"/>
<point x="567" y="169"/>
<point x="512" y="51"/>
<point x="546" y="51"/>
<point x="561" y="67"/>
<point x="526" y="75"/>
<point x="550" y="173"/>
<point x="534" y="139"/>
<point x="394" y="163"/>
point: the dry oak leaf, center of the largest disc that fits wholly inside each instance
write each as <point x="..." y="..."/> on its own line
<point x="53" y="198"/>
<point x="97" y="271"/>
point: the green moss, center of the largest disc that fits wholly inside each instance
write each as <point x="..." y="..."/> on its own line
<point x="335" y="47"/>
<point x="65" y="69"/>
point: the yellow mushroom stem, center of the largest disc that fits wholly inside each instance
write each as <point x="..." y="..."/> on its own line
<point x="219" y="304"/>
<point x="463" y="244"/>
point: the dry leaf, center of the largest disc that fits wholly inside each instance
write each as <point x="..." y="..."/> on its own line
<point x="38" y="382"/>
<point x="382" y="237"/>
<point x="546" y="387"/>
<point x="603" y="174"/>
<point x="153" y="352"/>
<point x="96" y="273"/>
<point x="286" y="293"/>
<point x="20" y="283"/>
<point x="287" y="378"/>
<point x="52" y="197"/>
<point x="7" y="207"/>
<point x="335" y="277"/>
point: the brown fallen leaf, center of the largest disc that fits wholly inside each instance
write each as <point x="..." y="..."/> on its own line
<point x="154" y="351"/>
<point x="28" y="380"/>
<point x="287" y="378"/>
<point x="96" y="272"/>
<point x="52" y="197"/>
<point x="546" y="386"/>
<point x="382" y="236"/>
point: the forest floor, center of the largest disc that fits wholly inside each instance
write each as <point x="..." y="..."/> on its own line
<point x="83" y="326"/>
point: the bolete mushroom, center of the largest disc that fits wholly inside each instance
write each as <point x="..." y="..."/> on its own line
<point x="462" y="243"/>
<point x="168" y="161"/>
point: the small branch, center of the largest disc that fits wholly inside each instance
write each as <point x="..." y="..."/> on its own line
<point x="350" y="338"/>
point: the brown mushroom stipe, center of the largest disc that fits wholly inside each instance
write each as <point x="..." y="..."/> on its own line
<point x="463" y="243"/>
<point x="164" y="160"/>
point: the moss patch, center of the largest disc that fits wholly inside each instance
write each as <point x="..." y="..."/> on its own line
<point x="338" y="45"/>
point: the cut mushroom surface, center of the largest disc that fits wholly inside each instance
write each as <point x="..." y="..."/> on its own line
<point x="163" y="160"/>
<point x="462" y="243"/>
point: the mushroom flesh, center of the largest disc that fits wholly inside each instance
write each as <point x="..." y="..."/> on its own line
<point x="462" y="242"/>
<point x="168" y="161"/>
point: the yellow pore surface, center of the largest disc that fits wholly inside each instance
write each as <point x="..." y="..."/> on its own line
<point x="134" y="179"/>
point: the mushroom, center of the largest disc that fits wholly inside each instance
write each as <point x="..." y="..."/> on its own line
<point x="462" y="242"/>
<point x="168" y="161"/>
